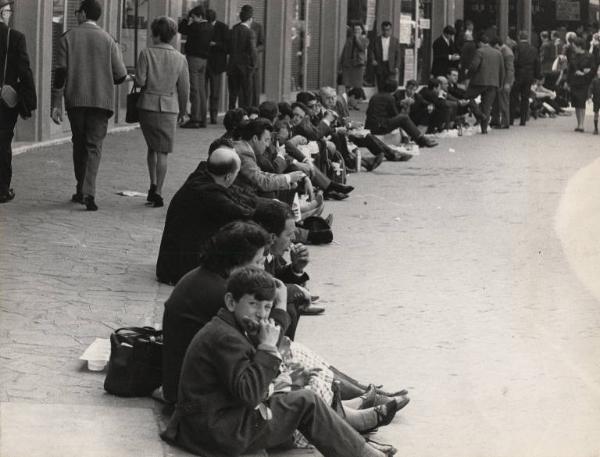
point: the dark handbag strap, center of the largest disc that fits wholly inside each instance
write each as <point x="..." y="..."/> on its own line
<point x="6" y="56"/>
<point x="139" y="331"/>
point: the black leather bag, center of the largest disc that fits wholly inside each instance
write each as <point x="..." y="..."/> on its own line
<point x="135" y="364"/>
<point x="132" y="116"/>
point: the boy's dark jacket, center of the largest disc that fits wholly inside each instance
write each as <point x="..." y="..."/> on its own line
<point x="224" y="377"/>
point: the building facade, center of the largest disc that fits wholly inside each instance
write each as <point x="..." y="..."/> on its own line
<point x="303" y="38"/>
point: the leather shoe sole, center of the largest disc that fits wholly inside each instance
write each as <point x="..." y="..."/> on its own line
<point x="334" y="195"/>
<point x="311" y="310"/>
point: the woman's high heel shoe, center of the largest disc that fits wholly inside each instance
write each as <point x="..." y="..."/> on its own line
<point x="151" y="193"/>
<point x="158" y="201"/>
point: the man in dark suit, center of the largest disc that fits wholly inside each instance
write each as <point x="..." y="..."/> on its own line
<point x="242" y="60"/>
<point x="384" y="55"/>
<point x="16" y="73"/>
<point x="485" y="76"/>
<point x="445" y="54"/>
<point x="527" y="70"/>
<point x="198" y="210"/>
<point x="217" y="62"/>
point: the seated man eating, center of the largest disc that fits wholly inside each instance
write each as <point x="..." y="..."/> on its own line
<point x="226" y="404"/>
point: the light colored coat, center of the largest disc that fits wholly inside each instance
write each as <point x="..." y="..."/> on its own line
<point x="163" y="73"/>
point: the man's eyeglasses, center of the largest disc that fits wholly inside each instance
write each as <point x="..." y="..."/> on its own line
<point x="7" y="10"/>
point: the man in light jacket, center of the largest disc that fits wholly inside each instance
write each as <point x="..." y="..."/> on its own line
<point x="88" y="65"/>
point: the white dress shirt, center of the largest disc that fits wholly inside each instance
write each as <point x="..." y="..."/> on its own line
<point x="385" y="46"/>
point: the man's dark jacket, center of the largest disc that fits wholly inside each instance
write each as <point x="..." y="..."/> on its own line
<point x="217" y="58"/>
<point x="196" y="212"/>
<point x="441" y="53"/>
<point x="242" y="49"/>
<point x="527" y="63"/>
<point x="18" y="71"/>
<point x="199" y="35"/>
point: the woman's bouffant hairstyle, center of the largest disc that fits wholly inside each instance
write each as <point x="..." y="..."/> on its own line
<point x="234" y="245"/>
<point x="164" y="28"/>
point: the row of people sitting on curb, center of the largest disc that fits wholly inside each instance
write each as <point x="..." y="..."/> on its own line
<point x="297" y="153"/>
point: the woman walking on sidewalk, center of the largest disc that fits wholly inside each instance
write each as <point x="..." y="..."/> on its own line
<point x="581" y="65"/>
<point x="162" y="72"/>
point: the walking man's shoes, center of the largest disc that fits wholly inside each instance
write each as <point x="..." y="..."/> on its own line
<point x="77" y="198"/>
<point x="90" y="204"/>
<point x="10" y="195"/>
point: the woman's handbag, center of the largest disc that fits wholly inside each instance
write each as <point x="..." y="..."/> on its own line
<point x="132" y="116"/>
<point x="8" y="94"/>
<point x="135" y="364"/>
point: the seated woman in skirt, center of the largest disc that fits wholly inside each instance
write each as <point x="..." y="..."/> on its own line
<point x="162" y="72"/>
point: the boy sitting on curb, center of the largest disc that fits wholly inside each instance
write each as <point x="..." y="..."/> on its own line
<point x="225" y="405"/>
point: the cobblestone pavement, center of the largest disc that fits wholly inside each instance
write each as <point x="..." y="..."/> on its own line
<point x="447" y="276"/>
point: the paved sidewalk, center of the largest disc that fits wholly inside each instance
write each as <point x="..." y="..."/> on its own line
<point x="455" y="285"/>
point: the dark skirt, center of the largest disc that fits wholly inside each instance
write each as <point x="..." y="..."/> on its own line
<point x="159" y="130"/>
<point x="579" y="96"/>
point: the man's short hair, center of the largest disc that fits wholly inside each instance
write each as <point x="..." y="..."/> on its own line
<point x="483" y="38"/>
<point x="211" y="15"/>
<point x="250" y="110"/>
<point x="451" y="69"/>
<point x="254" y="127"/>
<point x="411" y="83"/>
<point x="385" y="24"/>
<point x="433" y="83"/>
<point x="235" y="244"/>
<point x="251" y="281"/>
<point x="281" y="124"/>
<point x="523" y="35"/>
<point x="91" y="8"/>
<point x="198" y="11"/>
<point x="442" y="80"/>
<point x="390" y="85"/>
<point x="305" y="97"/>
<point x="302" y="106"/>
<point x="233" y="118"/>
<point x="268" y="110"/>
<point x="164" y="28"/>
<point x="246" y="13"/>
<point x="544" y="35"/>
<point x="449" y="30"/>
<point x="496" y="40"/>
<point x="272" y="215"/>
<point x="327" y="91"/>
<point x="220" y="143"/>
<point x="285" y="109"/>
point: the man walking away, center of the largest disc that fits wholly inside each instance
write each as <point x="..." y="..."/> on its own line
<point x="88" y="65"/>
<point x="217" y="62"/>
<point x="527" y="70"/>
<point x="16" y="73"/>
<point x="485" y="74"/>
<point x="197" y="48"/>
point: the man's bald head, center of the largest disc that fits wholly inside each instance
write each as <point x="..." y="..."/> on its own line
<point x="223" y="161"/>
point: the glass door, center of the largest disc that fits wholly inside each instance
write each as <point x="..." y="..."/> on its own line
<point x="415" y="39"/>
<point x="134" y="30"/>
